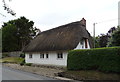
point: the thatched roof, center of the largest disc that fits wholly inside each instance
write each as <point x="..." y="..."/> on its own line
<point x="65" y="37"/>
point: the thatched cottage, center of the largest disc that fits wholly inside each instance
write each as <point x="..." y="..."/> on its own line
<point x="51" y="47"/>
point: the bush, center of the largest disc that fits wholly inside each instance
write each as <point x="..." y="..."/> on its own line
<point x="23" y="62"/>
<point x="22" y="55"/>
<point x="102" y="59"/>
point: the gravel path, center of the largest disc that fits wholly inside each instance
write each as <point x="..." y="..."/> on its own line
<point x="49" y="72"/>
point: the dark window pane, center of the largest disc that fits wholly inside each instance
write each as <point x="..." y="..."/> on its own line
<point x="59" y="55"/>
<point x="46" y="55"/>
<point x="30" y="55"/>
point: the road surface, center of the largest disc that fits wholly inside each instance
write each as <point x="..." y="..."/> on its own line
<point x="12" y="74"/>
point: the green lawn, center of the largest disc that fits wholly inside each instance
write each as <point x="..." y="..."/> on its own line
<point x="92" y="75"/>
<point x="12" y="60"/>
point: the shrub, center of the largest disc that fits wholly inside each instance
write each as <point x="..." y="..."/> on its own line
<point x="102" y="59"/>
<point x="22" y="55"/>
<point x="23" y="62"/>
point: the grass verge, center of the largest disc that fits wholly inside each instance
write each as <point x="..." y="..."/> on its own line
<point x="17" y="60"/>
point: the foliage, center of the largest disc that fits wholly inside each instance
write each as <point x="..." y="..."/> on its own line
<point x="8" y="8"/>
<point x="9" y="38"/>
<point x="22" y="55"/>
<point x="115" y="38"/>
<point x="102" y="59"/>
<point x="17" y="34"/>
<point x="97" y="45"/>
<point x="22" y="62"/>
<point x="102" y="40"/>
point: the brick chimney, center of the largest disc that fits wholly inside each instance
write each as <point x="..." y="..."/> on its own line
<point x="83" y="22"/>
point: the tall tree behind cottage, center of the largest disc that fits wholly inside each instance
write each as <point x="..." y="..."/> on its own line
<point x="17" y="34"/>
<point x="115" y="38"/>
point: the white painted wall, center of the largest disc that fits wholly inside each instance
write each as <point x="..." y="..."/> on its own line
<point x="51" y="60"/>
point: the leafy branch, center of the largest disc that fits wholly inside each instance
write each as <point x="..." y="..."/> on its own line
<point x="8" y="9"/>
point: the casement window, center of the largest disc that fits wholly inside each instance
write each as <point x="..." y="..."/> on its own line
<point x="41" y="55"/>
<point x="59" y="55"/>
<point x="47" y="56"/>
<point x="30" y="55"/>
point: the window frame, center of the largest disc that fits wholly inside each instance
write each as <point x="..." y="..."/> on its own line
<point x="59" y="55"/>
<point x="42" y="56"/>
<point x="30" y="56"/>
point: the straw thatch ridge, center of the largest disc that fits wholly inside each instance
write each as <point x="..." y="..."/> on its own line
<point x="65" y="37"/>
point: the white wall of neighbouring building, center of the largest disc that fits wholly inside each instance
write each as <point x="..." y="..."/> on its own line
<point x="51" y="60"/>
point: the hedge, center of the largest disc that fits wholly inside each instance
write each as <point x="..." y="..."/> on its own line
<point x="102" y="59"/>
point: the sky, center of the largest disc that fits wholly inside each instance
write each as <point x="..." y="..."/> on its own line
<point x="48" y="14"/>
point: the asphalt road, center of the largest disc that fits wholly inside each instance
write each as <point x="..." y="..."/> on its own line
<point x="12" y="74"/>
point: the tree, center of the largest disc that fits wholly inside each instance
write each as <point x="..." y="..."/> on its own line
<point x="103" y="40"/>
<point x="97" y="45"/>
<point x="18" y="33"/>
<point x="9" y="38"/>
<point x="115" y="38"/>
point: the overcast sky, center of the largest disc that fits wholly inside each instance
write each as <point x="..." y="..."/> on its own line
<point x="49" y="14"/>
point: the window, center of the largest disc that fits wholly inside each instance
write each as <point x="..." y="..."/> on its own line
<point x="59" y="55"/>
<point x="30" y="55"/>
<point x="47" y="55"/>
<point x="41" y="55"/>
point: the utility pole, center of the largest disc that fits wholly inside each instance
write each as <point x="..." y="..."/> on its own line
<point x="94" y="33"/>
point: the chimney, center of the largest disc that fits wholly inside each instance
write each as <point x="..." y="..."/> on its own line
<point x="83" y="22"/>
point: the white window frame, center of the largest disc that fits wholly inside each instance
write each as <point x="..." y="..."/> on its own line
<point x="42" y="56"/>
<point x="60" y="55"/>
<point x="30" y="56"/>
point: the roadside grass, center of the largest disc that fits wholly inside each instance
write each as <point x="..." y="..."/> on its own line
<point x="17" y="60"/>
<point x="91" y="75"/>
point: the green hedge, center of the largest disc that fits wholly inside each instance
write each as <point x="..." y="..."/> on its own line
<point x="102" y="59"/>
